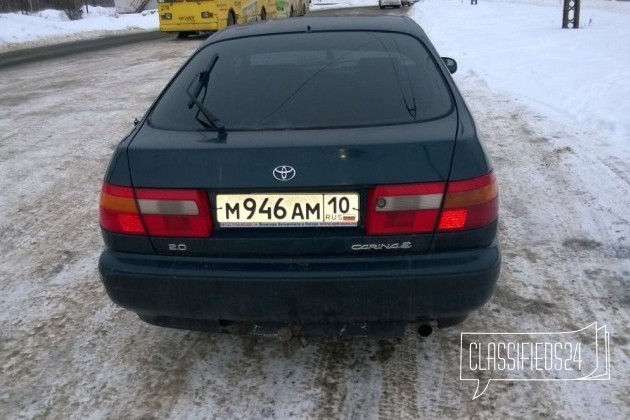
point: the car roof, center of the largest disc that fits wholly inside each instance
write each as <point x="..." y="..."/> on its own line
<point x="401" y="24"/>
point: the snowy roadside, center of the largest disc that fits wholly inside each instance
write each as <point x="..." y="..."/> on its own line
<point x="340" y="4"/>
<point x="580" y="78"/>
<point x="48" y="27"/>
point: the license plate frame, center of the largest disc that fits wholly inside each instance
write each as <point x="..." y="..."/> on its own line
<point x="290" y="210"/>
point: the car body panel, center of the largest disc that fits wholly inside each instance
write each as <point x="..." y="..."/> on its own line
<point x="351" y="156"/>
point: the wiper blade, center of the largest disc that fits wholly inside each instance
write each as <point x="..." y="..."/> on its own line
<point x="204" y="78"/>
<point x="202" y="84"/>
<point x="411" y="109"/>
<point x="402" y="77"/>
<point x="407" y="89"/>
<point x="212" y="119"/>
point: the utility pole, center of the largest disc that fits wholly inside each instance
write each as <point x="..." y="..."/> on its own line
<point x="571" y="14"/>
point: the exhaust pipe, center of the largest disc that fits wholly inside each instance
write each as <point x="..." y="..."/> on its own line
<point x="425" y="330"/>
<point x="285" y="334"/>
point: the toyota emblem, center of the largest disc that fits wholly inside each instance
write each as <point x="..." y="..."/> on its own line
<point x="284" y="173"/>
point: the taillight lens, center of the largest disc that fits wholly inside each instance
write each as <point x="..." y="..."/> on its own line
<point x="470" y="203"/>
<point x="409" y="208"/>
<point x="415" y="208"/>
<point x="118" y="211"/>
<point x="155" y="212"/>
<point x="177" y="213"/>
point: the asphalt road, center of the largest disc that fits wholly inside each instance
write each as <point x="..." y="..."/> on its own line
<point x="30" y="55"/>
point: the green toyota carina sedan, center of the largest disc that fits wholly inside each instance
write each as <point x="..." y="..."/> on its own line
<point x="317" y="175"/>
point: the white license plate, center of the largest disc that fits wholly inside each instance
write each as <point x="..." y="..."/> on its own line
<point x="287" y="210"/>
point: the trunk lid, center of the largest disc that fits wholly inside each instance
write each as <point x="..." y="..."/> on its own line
<point x="325" y="161"/>
<point x="321" y="158"/>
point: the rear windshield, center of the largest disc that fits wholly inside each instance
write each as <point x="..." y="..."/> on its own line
<point x="309" y="80"/>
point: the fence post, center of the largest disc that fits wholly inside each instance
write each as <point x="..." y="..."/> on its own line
<point x="571" y="14"/>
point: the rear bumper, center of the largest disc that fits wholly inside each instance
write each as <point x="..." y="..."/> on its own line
<point x="305" y="290"/>
<point x="190" y="27"/>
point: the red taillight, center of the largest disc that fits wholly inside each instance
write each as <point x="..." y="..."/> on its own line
<point x="155" y="212"/>
<point x="410" y="208"/>
<point x="118" y="211"/>
<point x="415" y="208"/>
<point x="470" y="203"/>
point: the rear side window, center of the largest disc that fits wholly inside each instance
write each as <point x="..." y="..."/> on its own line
<point x="310" y="80"/>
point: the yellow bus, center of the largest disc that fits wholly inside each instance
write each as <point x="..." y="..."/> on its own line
<point x="192" y="16"/>
<point x="291" y="8"/>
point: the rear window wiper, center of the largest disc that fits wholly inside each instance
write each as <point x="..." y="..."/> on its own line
<point x="202" y="84"/>
<point x="390" y="45"/>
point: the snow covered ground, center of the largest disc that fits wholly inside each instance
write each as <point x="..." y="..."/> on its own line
<point x="580" y="77"/>
<point x="552" y="105"/>
<point x="53" y="26"/>
<point x="340" y="4"/>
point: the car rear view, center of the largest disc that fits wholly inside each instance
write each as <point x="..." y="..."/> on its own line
<point x="321" y="174"/>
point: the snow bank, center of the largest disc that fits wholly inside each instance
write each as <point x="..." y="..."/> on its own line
<point x="580" y="77"/>
<point x="49" y="26"/>
<point x="340" y="4"/>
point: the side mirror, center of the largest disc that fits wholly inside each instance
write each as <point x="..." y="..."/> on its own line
<point x="136" y="122"/>
<point x="451" y="64"/>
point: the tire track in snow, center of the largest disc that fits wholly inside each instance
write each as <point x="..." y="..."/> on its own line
<point x="562" y="229"/>
<point x="399" y="398"/>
